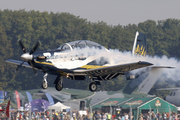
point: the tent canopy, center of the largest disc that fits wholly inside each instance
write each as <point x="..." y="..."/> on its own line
<point x="13" y="105"/>
<point x="58" y="107"/>
<point x="38" y="105"/>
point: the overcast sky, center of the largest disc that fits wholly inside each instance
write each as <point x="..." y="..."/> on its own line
<point x="113" y="12"/>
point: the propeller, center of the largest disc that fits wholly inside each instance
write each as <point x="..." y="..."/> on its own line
<point x="35" y="47"/>
<point x="18" y="67"/>
<point x="27" y="56"/>
<point x="22" y="46"/>
<point x="34" y="70"/>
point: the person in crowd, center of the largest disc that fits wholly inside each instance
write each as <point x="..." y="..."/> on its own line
<point x="175" y="116"/>
<point x="88" y="115"/>
<point x="104" y="117"/>
<point x="98" y="116"/>
<point x="164" y="116"/>
<point x="126" y="116"/>
<point x="160" y="116"/>
<point x="167" y="113"/>
<point x="54" y="116"/>
<point x="109" y="116"/>
<point x="122" y="118"/>
<point x="146" y="117"/>
<point x="141" y="116"/>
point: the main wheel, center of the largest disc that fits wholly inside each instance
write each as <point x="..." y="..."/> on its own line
<point x="59" y="86"/>
<point x="44" y="85"/>
<point x="92" y="86"/>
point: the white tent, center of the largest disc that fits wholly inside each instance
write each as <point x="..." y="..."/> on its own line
<point x="58" y="107"/>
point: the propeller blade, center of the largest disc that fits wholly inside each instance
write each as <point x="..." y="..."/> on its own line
<point x="33" y="68"/>
<point x="22" y="46"/>
<point x="19" y="66"/>
<point x="35" y="47"/>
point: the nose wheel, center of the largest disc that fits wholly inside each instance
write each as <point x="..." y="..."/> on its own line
<point x="45" y="83"/>
<point x="92" y="86"/>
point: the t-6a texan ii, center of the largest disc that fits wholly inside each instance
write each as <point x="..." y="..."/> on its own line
<point x="83" y="59"/>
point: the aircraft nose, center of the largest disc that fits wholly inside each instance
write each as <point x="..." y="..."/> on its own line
<point x="26" y="56"/>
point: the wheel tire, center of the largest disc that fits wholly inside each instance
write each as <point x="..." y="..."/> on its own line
<point x="44" y="85"/>
<point x="92" y="86"/>
<point x="59" y="86"/>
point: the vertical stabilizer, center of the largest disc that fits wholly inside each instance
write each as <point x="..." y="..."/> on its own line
<point x="140" y="46"/>
<point x="139" y="49"/>
<point x="143" y="79"/>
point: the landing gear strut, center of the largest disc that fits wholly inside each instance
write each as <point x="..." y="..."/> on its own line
<point x="45" y="83"/>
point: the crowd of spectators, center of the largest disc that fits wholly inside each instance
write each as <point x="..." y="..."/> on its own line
<point x="77" y="115"/>
<point x="54" y="115"/>
<point x="159" y="116"/>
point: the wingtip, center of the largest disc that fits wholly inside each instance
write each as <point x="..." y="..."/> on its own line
<point x="145" y="63"/>
<point x="171" y="67"/>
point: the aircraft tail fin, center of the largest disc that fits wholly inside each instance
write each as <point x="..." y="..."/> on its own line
<point x="143" y="80"/>
<point x="139" y="48"/>
<point x="140" y="45"/>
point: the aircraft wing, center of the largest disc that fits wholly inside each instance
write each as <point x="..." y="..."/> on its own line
<point x="109" y="70"/>
<point x="168" y="89"/>
<point x="17" y="62"/>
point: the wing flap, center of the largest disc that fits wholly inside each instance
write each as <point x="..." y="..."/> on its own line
<point x="17" y="62"/>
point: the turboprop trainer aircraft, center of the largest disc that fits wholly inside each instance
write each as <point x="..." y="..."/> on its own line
<point x="79" y="60"/>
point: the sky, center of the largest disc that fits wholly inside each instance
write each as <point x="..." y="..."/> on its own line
<point x="113" y="12"/>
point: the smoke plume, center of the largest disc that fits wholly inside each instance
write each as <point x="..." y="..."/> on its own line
<point x="111" y="57"/>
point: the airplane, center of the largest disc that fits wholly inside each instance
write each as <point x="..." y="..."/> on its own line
<point x="173" y="97"/>
<point x="78" y="60"/>
<point x="7" y="109"/>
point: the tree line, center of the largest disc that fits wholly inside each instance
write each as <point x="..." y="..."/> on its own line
<point x="54" y="29"/>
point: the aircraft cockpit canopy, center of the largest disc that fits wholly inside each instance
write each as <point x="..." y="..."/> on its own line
<point x="80" y="44"/>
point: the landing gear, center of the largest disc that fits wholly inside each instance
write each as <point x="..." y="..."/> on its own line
<point x="59" y="86"/>
<point x="92" y="86"/>
<point x="45" y="83"/>
<point x="59" y="83"/>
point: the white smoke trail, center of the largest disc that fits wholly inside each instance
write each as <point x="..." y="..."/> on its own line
<point x="164" y="61"/>
<point x="114" y="57"/>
